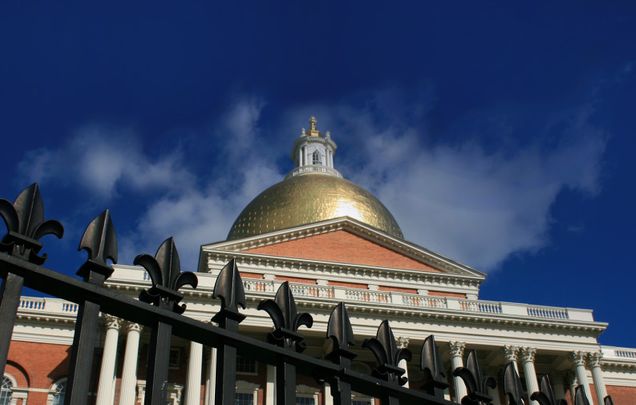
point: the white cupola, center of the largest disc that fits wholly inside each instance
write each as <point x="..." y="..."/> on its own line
<point x="313" y="152"/>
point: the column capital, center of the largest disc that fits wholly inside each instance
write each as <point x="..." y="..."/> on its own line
<point x="594" y="359"/>
<point x="457" y="348"/>
<point x="111" y="322"/>
<point x="578" y="358"/>
<point x="133" y="327"/>
<point x="527" y="354"/>
<point x="402" y="342"/>
<point x="510" y="353"/>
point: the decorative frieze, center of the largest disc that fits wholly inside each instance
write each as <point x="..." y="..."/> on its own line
<point x="402" y="342"/>
<point x="578" y="358"/>
<point x="527" y="354"/>
<point x="510" y="353"/>
<point x="111" y="322"/>
<point x="457" y="348"/>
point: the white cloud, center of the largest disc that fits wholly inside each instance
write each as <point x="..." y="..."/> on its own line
<point x="204" y="215"/>
<point x="462" y="200"/>
<point x="102" y="160"/>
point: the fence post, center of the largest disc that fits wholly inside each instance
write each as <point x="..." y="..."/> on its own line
<point x="166" y="276"/>
<point x="340" y="338"/>
<point x="388" y="356"/>
<point x="282" y="310"/>
<point x="100" y="242"/>
<point x="229" y="288"/>
<point x="25" y="223"/>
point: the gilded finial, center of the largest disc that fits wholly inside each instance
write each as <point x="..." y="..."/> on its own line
<point x="313" y="126"/>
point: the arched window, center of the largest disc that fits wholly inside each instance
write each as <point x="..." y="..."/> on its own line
<point x="58" y="390"/>
<point x="6" y="391"/>
<point x="315" y="158"/>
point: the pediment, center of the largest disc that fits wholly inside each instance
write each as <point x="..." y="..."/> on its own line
<point x="348" y="242"/>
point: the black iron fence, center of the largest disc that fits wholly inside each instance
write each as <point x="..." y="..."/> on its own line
<point x="159" y="309"/>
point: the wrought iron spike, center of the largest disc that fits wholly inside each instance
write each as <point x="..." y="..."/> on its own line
<point x="100" y="242"/>
<point x="579" y="396"/>
<point x="229" y="288"/>
<point x="282" y="311"/>
<point x="434" y="378"/>
<point x="476" y="385"/>
<point x="26" y="225"/>
<point x="340" y="336"/>
<point x="512" y="385"/>
<point x="166" y="276"/>
<point x="545" y="395"/>
<point x="99" y="239"/>
<point x="387" y="355"/>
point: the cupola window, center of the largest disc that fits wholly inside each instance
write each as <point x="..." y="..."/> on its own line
<point x="315" y="158"/>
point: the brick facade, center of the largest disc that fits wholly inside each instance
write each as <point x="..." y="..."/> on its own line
<point x="37" y="366"/>
<point x="342" y="247"/>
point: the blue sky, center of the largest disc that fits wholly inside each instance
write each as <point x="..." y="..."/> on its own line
<point x="499" y="135"/>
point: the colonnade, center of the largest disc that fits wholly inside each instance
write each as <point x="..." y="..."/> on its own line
<point x="523" y="359"/>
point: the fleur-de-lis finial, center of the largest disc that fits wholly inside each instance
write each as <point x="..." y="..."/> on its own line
<point x="387" y="355"/>
<point x="100" y="242"/>
<point x="282" y="310"/>
<point x="579" y="396"/>
<point x="26" y="225"/>
<point x="545" y="395"/>
<point x="165" y="273"/>
<point x="339" y="335"/>
<point x="476" y="385"/>
<point x="512" y="385"/>
<point x="434" y="378"/>
<point x="229" y="288"/>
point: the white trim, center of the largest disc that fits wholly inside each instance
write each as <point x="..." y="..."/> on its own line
<point x="49" y="398"/>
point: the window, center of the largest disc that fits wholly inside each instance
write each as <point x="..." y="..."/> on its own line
<point x="245" y="365"/>
<point x="57" y="392"/>
<point x="315" y="158"/>
<point x="6" y="391"/>
<point x="244" y="399"/>
<point x="305" y="400"/>
<point x="175" y="358"/>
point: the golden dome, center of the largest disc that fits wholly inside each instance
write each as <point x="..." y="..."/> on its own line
<point x="308" y="198"/>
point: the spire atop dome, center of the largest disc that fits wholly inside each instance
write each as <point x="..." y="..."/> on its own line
<point x="313" y="153"/>
<point x="313" y="126"/>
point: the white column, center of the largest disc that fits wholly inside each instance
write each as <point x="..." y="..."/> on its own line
<point x="578" y="358"/>
<point x="594" y="360"/>
<point x="510" y="353"/>
<point x="105" y="387"/>
<point x="403" y="343"/>
<point x="527" y="359"/>
<point x="193" y="381"/>
<point x="457" y="354"/>
<point x="270" y="385"/>
<point x="129" y="372"/>
<point x="327" y="394"/>
<point x="210" y="384"/>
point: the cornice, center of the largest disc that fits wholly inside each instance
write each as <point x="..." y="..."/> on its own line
<point x="358" y="271"/>
<point x="345" y="223"/>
